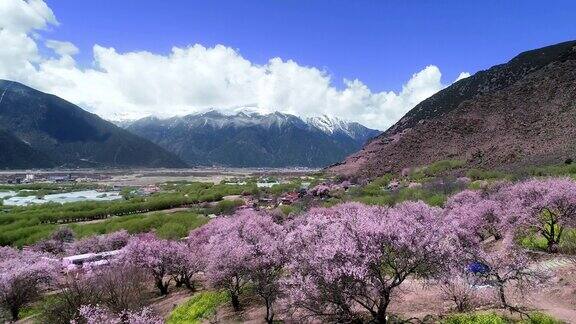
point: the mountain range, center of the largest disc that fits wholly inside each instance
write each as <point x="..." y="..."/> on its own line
<point x="249" y="139"/>
<point x="39" y="130"/>
<point x="509" y="116"/>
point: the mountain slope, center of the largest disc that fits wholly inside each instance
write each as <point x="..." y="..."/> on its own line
<point x="17" y="154"/>
<point x="254" y="140"/>
<point x="72" y="137"/>
<point x="519" y="113"/>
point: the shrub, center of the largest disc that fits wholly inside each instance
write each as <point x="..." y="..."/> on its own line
<point x="540" y="318"/>
<point x="288" y="209"/>
<point x="568" y="243"/>
<point x="436" y="200"/>
<point x="384" y="200"/>
<point x="475" y="318"/>
<point x="476" y="174"/>
<point x="226" y="206"/>
<point x="199" y="307"/>
<point x="281" y="188"/>
<point x="63" y="234"/>
<point x="387" y="198"/>
<point x="376" y="186"/>
<point x="533" y="241"/>
<point x="442" y="166"/>
<point x="553" y="170"/>
<point x="172" y="231"/>
<point x="141" y="223"/>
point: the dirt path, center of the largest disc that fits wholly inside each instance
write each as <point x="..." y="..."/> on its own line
<point x="94" y="221"/>
<point x="558" y="298"/>
<point x="166" y="211"/>
<point x="562" y="312"/>
<point x="165" y="305"/>
<point x="554" y="263"/>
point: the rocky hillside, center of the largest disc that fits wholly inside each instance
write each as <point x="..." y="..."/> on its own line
<point x="45" y="130"/>
<point x="515" y="114"/>
<point x="249" y="139"/>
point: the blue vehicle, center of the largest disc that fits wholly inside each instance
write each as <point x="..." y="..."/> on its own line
<point x="478" y="268"/>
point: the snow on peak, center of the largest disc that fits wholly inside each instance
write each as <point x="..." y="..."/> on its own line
<point x="330" y="124"/>
<point x="248" y="111"/>
<point x="250" y="116"/>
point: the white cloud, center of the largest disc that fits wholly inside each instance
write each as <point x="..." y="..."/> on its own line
<point x="192" y="79"/>
<point x="62" y="48"/>
<point x="19" y="52"/>
<point x="21" y="16"/>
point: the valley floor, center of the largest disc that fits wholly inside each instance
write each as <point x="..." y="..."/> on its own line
<point x="144" y="177"/>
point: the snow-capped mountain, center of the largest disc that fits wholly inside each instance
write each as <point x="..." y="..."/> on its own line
<point x="248" y="138"/>
<point x="334" y="125"/>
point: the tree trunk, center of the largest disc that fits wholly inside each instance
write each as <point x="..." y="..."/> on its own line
<point x="15" y="312"/>
<point x="552" y="239"/>
<point x="497" y="235"/>
<point x="186" y="280"/>
<point x="502" y="295"/>
<point x="551" y="235"/>
<point x="235" y="300"/>
<point x="269" y="312"/>
<point x="190" y="284"/>
<point x="552" y="246"/>
<point x="382" y="314"/>
<point x="162" y="287"/>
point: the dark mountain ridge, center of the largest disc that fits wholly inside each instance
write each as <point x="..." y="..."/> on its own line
<point x="71" y="137"/>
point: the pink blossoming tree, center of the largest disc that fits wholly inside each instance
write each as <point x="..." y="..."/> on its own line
<point x="23" y="277"/>
<point x="507" y="267"/>
<point x="264" y="239"/>
<point x="476" y="214"/>
<point x="225" y="260"/>
<point x="101" y="315"/>
<point x="353" y="257"/>
<point x="155" y="255"/>
<point x="186" y="262"/>
<point x="243" y="248"/>
<point x="320" y="190"/>
<point x="549" y="207"/>
<point x="100" y="243"/>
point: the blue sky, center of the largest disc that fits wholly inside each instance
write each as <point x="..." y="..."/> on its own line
<point x="365" y="61"/>
<point x="379" y="42"/>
